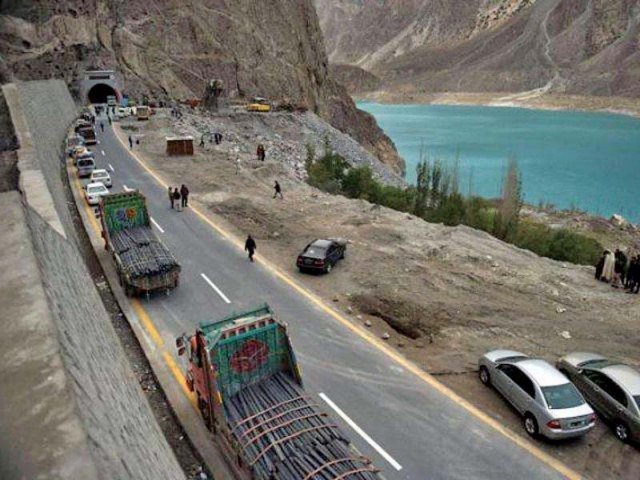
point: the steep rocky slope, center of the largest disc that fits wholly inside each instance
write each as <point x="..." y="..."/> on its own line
<point x="585" y="47"/>
<point x="170" y="49"/>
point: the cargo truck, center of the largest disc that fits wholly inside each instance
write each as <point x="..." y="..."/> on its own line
<point x="143" y="263"/>
<point x="249" y="391"/>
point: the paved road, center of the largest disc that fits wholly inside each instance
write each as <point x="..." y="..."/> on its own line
<point x="419" y="433"/>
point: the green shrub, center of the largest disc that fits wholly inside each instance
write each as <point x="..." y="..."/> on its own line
<point x="563" y="245"/>
<point x="435" y="198"/>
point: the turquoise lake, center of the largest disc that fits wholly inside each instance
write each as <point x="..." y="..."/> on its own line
<point x="567" y="158"/>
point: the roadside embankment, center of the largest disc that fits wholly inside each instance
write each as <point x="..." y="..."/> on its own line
<point x="72" y="406"/>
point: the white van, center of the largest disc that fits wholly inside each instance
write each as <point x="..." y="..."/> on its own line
<point x="86" y="166"/>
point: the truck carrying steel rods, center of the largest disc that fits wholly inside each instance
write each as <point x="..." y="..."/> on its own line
<point x="249" y="391"/>
<point x="143" y="262"/>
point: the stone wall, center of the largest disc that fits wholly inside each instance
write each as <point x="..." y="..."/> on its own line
<point x="125" y="439"/>
<point x="49" y="111"/>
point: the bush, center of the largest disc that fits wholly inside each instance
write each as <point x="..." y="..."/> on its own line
<point x="563" y="245"/>
<point x="436" y="199"/>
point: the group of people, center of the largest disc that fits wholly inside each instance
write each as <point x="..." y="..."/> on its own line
<point x="619" y="270"/>
<point x="181" y="197"/>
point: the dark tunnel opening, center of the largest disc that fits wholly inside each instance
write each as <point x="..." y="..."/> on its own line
<point x="100" y="92"/>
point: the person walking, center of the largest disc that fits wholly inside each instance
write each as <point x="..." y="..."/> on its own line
<point x="171" y="201"/>
<point x="176" y="197"/>
<point x="184" y="191"/>
<point x="278" y="190"/>
<point x="260" y="152"/>
<point x="250" y="247"/>
<point x="102" y="127"/>
<point x="109" y="118"/>
<point x="130" y="143"/>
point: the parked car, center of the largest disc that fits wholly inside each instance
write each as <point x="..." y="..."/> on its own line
<point x="321" y="255"/>
<point x="549" y="403"/>
<point x="73" y="142"/>
<point x="94" y="191"/>
<point x="85" y="165"/>
<point x="102" y="176"/>
<point x="612" y="389"/>
<point x="80" y="151"/>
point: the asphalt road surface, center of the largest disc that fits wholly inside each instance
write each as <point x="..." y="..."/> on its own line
<point x="408" y="428"/>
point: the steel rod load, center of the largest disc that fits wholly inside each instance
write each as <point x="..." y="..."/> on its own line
<point x="285" y="435"/>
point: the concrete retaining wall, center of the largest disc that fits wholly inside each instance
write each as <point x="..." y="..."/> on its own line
<point x="71" y="405"/>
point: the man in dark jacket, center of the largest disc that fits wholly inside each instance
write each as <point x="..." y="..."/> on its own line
<point x="250" y="246"/>
<point x="184" y="191"/>
<point x="277" y="190"/>
<point x="176" y="197"/>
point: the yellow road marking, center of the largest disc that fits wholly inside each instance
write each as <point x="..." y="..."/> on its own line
<point x="368" y="337"/>
<point x="146" y="321"/>
<point x="179" y="376"/>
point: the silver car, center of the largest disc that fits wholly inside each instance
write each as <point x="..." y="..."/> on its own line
<point x="613" y="389"/>
<point x="549" y="403"/>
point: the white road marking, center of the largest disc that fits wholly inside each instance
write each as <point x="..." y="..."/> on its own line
<point x="127" y="189"/>
<point x="111" y="168"/>
<point x="213" y="285"/>
<point x="361" y="432"/>
<point x="98" y="142"/>
<point x="156" y="224"/>
<point x="102" y="152"/>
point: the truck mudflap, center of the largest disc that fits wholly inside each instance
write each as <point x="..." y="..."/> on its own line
<point x="278" y="429"/>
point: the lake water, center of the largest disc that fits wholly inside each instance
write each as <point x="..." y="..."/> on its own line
<point x="587" y="160"/>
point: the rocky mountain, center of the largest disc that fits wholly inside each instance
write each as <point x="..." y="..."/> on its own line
<point x="584" y="47"/>
<point x="171" y="49"/>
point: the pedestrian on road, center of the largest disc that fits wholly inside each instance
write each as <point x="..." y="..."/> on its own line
<point x="237" y="165"/>
<point x="130" y="142"/>
<point x="278" y="190"/>
<point x="184" y="191"/>
<point x="218" y="138"/>
<point x="170" y="192"/>
<point x="260" y="152"/>
<point x="251" y="247"/>
<point x="102" y="127"/>
<point x="109" y="118"/>
<point x="176" y="197"/>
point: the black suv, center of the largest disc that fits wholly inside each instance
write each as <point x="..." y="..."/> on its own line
<point x="321" y="255"/>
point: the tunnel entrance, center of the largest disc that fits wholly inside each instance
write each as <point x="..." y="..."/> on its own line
<point x="100" y="92"/>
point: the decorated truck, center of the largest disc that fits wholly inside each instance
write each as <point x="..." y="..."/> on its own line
<point x="249" y="391"/>
<point x="143" y="262"/>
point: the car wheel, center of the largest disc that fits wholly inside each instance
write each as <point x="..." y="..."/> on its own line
<point x="485" y="378"/>
<point x="344" y="252"/>
<point x="531" y="425"/>
<point x="621" y="431"/>
<point x="328" y="268"/>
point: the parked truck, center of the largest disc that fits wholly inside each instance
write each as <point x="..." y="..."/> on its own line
<point x="143" y="262"/>
<point x="249" y="391"/>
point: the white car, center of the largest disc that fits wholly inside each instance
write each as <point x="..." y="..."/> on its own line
<point x="94" y="191"/>
<point x="101" y="176"/>
<point x="124" y="112"/>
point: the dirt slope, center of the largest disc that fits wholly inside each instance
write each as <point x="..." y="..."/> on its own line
<point x="586" y="47"/>
<point x="172" y="49"/>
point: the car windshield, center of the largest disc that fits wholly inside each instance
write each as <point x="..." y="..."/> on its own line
<point x="99" y="174"/>
<point x="85" y="163"/>
<point x="316" y="251"/>
<point x="637" y="400"/>
<point x="96" y="189"/>
<point x="562" y="396"/>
